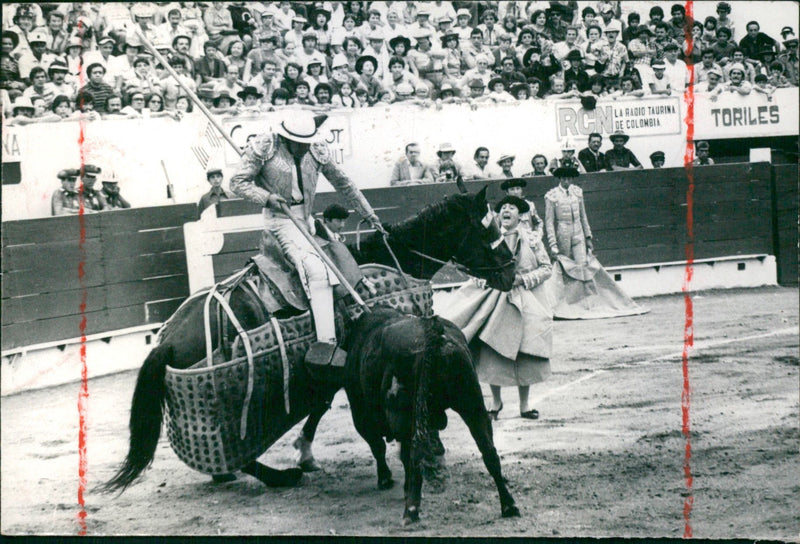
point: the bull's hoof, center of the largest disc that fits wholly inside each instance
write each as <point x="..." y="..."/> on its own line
<point x="511" y="511"/>
<point x="309" y="465"/>
<point x="411" y="515"/>
<point x="386" y="483"/>
<point x="223" y="478"/>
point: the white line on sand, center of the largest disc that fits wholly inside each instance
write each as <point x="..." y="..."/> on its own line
<point x="697" y="346"/>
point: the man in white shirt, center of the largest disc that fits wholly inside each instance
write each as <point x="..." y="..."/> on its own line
<point x="676" y="70"/>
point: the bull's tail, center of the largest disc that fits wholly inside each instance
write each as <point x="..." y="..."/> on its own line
<point x="422" y="440"/>
<point x="147" y="412"/>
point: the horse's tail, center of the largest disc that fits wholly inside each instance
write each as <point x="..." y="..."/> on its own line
<point x="147" y="412"/>
<point x="422" y="440"/>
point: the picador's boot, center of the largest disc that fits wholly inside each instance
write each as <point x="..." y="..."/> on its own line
<point x="325" y="351"/>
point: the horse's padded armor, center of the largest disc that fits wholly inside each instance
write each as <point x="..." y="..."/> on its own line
<point x="205" y="402"/>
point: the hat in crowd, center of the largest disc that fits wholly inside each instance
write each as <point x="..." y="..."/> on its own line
<point x="657" y="155"/>
<point x="526" y="58"/>
<point x="619" y="135"/>
<point x="299" y="19"/>
<point x="90" y="170"/>
<point x="400" y="39"/>
<point x="213" y="169"/>
<point x="444" y="19"/>
<point x="298" y="126"/>
<point x="658" y="65"/>
<point x="449" y="36"/>
<point x="363" y="59"/>
<point x="69" y="173"/>
<point x="714" y="70"/>
<point x="423" y="10"/>
<point x="335" y="211"/>
<point x="588" y="103"/>
<point x="494" y="81"/>
<point x="644" y="29"/>
<point x="724" y="6"/>
<point x="702" y="144"/>
<point x="58" y="65"/>
<point x="22" y="103"/>
<point x="568" y="145"/>
<point x="517" y="87"/>
<point x="506" y="157"/>
<point x="39" y="35"/>
<point x="142" y="9"/>
<point x="13" y="37"/>
<point x="574" y="55"/>
<point x="513" y="182"/>
<point x="310" y="35"/>
<point x="206" y="90"/>
<point x="519" y="203"/>
<point x="339" y="59"/>
<point x="422" y="33"/>
<point x="446" y="86"/>
<point x="219" y="95"/>
<point x="613" y="26"/>
<point x="766" y="50"/>
<point x="322" y="11"/>
<point x="108" y="39"/>
<point x="133" y="40"/>
<point x="737" y="66"/>
<point x="249" y="91"/>
<point x="142" y="57"/>
<point x="476" y="84"/>
<point x="786" y="31"/>
<point x="672" y="46"/>
<point x="606" y="8"/>
<point x="445" y="148"/>
<point x="566" y="172"/>
<point x="74" y="41"/>
<point x="313" y="62"/>
<point x="463" y="12"/>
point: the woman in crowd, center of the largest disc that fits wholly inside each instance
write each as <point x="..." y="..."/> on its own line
<point x="352" y="51"/>
<point x="421" y="59"/>
<point x="365" y="68"/>
<point x="320" y="21"/>
<point x="539" y="24"/>
<point x="291" y="75"/>
<point x="580" y="287"/>
<point x="510" y="334"/>
<point x="236" y="56"/>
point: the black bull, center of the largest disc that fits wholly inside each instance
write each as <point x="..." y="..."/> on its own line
<point x="451" y="229"/>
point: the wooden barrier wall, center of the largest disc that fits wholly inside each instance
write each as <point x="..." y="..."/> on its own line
<point x="785" y="212"/>
<point x="135" y="266"/>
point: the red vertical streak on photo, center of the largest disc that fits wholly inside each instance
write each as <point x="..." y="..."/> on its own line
<point x="83" y="395"/>
<point x="688" y="326"/>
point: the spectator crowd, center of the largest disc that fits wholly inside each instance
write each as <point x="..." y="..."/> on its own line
<point x="66" y="60"/>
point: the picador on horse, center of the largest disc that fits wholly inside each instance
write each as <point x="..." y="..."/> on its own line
<point x="282" y="168"/>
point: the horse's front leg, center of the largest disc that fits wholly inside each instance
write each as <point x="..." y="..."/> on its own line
<point x="305" y="457"/>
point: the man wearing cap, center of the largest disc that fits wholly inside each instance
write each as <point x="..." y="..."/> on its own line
<point x="57" y="73"/>
<point x="37" y="56"/>
<point x="530" y="220"/>
<point x="566" y="223"/>
<point x="506" y="162"/>
<point x="737" y="82"/>
<point x="93" y="200"/>
<point x="217" y="193"/>
<point x="620" y="157"/>
<point x="279" y="171"/>
<point x="660" y="84"/>
<point x="675" y="68"/>
<point x="702" y="152"/>
<point x="463" y="28"/>
<point x="110" y="192"/>
<point x="712" y="84"/>
<point x="567" y="159"/>
<point x="657" y="159"/>
<point x="614" y="53"/>
<point x="65" y="199"/>
<point x="592" y="159"/>
<point x="333" y="220"/>
<point x="102" y="55"/>
<point x="446" y="152"/>
<point x="296" y="33"/>
<point x="410" y="168"/>
<point x="376" y="48"/>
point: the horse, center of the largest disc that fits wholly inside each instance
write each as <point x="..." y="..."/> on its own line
<point x="401" y="373"/>
<point x="420" y="241"/>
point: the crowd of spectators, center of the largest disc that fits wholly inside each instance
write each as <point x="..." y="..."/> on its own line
<point x="62" y="60"/>
<point x="411" y="170"/>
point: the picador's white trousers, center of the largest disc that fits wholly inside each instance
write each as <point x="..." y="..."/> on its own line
<point x="318" y="280"/>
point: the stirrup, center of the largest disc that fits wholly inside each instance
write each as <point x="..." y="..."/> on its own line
<point x="326" y="354"/>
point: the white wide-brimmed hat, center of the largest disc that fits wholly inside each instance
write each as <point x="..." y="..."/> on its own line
<point x="298" y="126"/>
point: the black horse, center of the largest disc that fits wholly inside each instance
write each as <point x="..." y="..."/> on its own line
<point x="402" y="373"/>
<point x="454" y="229"/>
